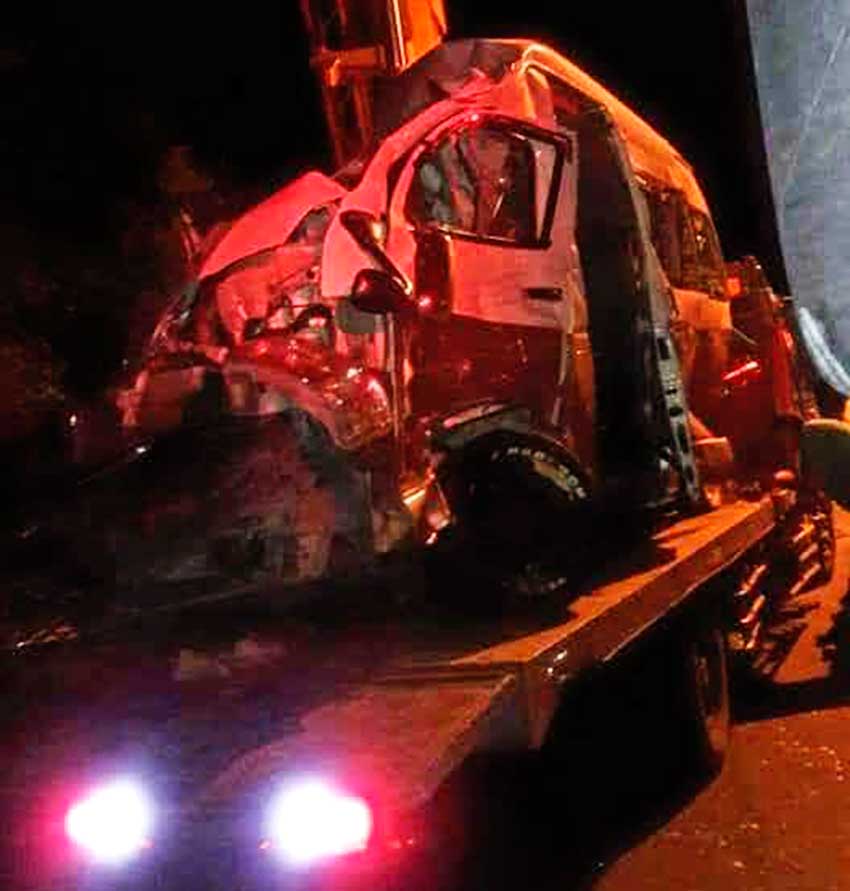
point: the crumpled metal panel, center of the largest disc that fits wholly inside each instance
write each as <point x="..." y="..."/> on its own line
<point x="802" y="60"/>
<point x="270" y="223"/>
<point x="350" y="401"/>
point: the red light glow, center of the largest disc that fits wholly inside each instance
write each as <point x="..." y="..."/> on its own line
<point x="746" y="372"/>
<point x="733" y="287"/>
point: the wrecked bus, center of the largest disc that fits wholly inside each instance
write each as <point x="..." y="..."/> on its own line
<point x="514" y="310"/>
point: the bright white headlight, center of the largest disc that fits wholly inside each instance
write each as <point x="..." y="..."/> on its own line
<point x="112" y="823"/>
<point x="310" y="820"/>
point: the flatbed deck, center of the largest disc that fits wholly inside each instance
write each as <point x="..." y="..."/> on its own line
<point x="425" y="709"/>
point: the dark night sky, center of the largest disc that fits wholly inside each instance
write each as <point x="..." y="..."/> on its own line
<point x="687" y="70"/>
<point x="90" y="96"/>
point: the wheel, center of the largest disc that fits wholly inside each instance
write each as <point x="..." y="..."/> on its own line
<point x="521" y="505"/>
<point x="703" y="698"/>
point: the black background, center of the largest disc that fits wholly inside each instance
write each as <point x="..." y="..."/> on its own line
<point x="92" y="95"/>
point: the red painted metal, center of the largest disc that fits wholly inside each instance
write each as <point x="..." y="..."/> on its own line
<point x="270" y="223"/>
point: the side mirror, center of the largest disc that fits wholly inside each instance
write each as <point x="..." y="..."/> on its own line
<point x="365" y="229"/>
<point x="370" y="233"/>
<point x="253" y="328"/>
<point x="377" y="293"/>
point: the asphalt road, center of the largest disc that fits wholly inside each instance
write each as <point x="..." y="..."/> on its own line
<point x="615" y="809"/>
<point x="778" y="816"/>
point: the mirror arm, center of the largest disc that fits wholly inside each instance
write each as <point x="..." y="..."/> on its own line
<point x="349" y="220"/>
<point x="387" y="265"/>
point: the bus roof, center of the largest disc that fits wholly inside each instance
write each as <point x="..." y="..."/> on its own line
<point x="448" y="65"/>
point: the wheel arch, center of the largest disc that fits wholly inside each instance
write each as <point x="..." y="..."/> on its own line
<point x="492" y="437"/>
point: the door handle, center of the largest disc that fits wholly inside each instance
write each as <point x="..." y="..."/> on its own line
<point x="547" y="295"/>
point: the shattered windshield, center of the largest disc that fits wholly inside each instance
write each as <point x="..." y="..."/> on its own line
<point x="480" y="182"/>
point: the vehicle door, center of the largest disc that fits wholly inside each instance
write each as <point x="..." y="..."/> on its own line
<point x="687" y="245"/>
<point x="490" y="204"/>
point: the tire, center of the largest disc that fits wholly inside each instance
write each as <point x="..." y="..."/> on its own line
<point x="703" y="699"/>
<point x="520" y="505"/>
<point x="517" y="498"/>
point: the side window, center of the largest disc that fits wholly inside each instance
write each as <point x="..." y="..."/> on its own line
<point x="665" y="232"/>
<point x="709" y="260"/>
<point x="685" y="241"/>
<point x="485" y="182"/>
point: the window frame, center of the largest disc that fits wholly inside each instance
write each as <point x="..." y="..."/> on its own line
<point x="512" y="127"/>
<point x="656" y="195"/>
<point x="714" y="273"/>
<point x="692" y="274"/>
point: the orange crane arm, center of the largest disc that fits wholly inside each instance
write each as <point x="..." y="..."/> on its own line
<point x="354" y="41"/>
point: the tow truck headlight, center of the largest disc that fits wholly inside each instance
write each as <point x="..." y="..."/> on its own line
<point x="112" y="823"/>
<point x="310" y="820"/>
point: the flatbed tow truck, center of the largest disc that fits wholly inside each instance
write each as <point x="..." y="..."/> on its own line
<point x="219" y="715"/>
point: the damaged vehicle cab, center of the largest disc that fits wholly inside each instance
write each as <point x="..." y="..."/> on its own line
<point x="514" y="309"/>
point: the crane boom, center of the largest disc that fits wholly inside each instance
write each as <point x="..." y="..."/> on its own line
<point x="352" y="42"/>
